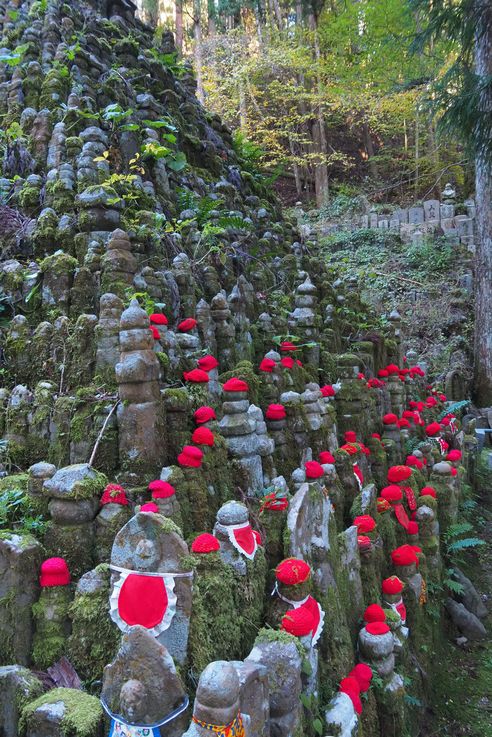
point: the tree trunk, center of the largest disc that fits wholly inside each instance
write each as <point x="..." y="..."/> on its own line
<point x="483" y="260"/>
<point x="369" y="146"/>
<point x="178" y="17"/>
<point x="319" y="130"/>
<point x="243" y="108"/>
<point x="197" y="35"/>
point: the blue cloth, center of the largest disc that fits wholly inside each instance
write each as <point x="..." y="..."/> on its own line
<point x="120" y="729"/>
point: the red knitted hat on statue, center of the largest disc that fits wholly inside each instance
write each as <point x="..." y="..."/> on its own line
<point x="292" y="571"/>
<point x="313" y="469"/>
<point x="392" y="493"/>
<point x="203" y="436"/>
<point x="364" y="523"/>
<point x="205" y="543"/>
<point x="54" y="572"/>
<point x="186" y="325"/>
<point x="392" y="585"/>
<point x="364" y="543"/>
<point x="275" y="412"/>
<point x="204" y="414"/>
<point x="287" y="362"/>
<point x="190" y="457"/>
<point x="327" y="390"/>
<point x="363" y="674"/>
<point x="382" y="505"/>
<point x="390" y="419"/>
<point x="383" y="374"/>
<point x="374" y="613"/>
<point x="196" y="376"/>
<point x="207" y="363"/>
<point x="412" y="528"/>
<point x="326" y="457"/>
<point x="350" y="436"/>
<point x="403" y="422"/>
<point x="453" y="456"/>
<point x="158" y="319"/>
<point x="392" y="368"/>
<point x="377" y="628"/>
<point x="114" y="494"/>
<point x="267" y="365"/>
<point x="433" y="429"/>
<point x="399" y="473"/>
<point x="299" y="622"/>
<point x="404" y="556"/>
<point x="161" y="489"/>
<point x="428" y="491"/>
<point x="351" y="687"/>
<point x="235" y="385"/>
<point x="149" y="507"/>
<point x="414" y="462"/>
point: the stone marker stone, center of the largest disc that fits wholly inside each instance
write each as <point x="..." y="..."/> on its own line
<point x="416" y="215"/>
<point x="431" y="209"/>
<point x="340" y="717"/>
<point x="253" y="697"/>
<point x="17" y="686"/>
<point x="151" y="542"/>
<point x="465" y="621"/>
<point x="20" y="560"/>
<point x="142" y="685"/>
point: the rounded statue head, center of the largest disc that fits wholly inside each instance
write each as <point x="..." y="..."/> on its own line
<point x="217" y="695"/>
<point x="133" y="697"/>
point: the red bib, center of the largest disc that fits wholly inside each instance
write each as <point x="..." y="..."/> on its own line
<point x="243" y="539"/>
<point x="401" y="515"/>
<point x="141" y="599"/>
<point x="411" y="501"/>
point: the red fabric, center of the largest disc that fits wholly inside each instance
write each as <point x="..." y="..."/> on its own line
<point x="186" y="325"/>
<point x="392" y="368"/>
<point x="433" y="429"/>
<point x="245" y="538"/>
<point x="235" y="385"/>
<point x="382" y="505"/>
<point x="401" y="515"/>
<point x="413" y="528"/>
<point x="414" y="462"/>
<point x="150" y="507"/>
<point x="161" y="489"/>
<point x="326" y="457"/>
<point x="402" y="611"/>
<point x="350" y="448"/>
<point x="54" y="572"/>
<point x="363" y="674"/>
<point x="383" y="374"/>
<point x="350" y="436"/>
<point x="143" y="600"/>
<point x="403" y="422"/>
<point x="313" y="469"/>
<point x="274" y="503"/>
<point x="453" y="456"/>
<point x="299" y="363"/>
<point x="190" y="457"/>
<point x="404" y="556"/>
<point x="258" y="539"/>
<point x="364" y="523"/>
<point x="203" y="436"/>
<point x="204" y="414"/>
<point x="376" y="435"/>
<point x="392" y="585"/>
<point x="390" y="419"/>
<point x="428" y="491"/>
<point x="351" y="687"/>
<point x="374" y="613"/>
<point x="327" y="391"/>
<point x="377" y="628"/>
<point x="292" y="571"/>
<point x="114" y="494"/>
<point x="454" y="472"/>
<point x="207" y="363"/>
<point x="298" y="622"/>
<point x="205" y="543"/>
<point x="287" y="362"/>
<point x="311" y="605"/>
<point x="410" y="495"/>
<point x="275" y="412"/>
<point x="155" y="333"/>
<point x="364" y="542"/>
<point x="196" y="376"/>
<point x="399" y="473"/>
<point x="267" y="365"/>
<point x="287" y="346"/>
<point x="158" y="319"/>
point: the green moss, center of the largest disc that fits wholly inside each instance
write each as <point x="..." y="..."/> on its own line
<point x="58" y="263"/>
<point x="82" y="718"/>
<point x="50" y="614"/>
<point x="267" y="635"/>
<point x="89" y="487"/>
<point x="244" y="370"/>
<point x="15" y="481"/>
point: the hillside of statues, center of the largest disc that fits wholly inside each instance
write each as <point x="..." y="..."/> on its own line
<point x="225" y="507"/>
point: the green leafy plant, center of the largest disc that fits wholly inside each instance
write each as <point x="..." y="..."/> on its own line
<point x="16" y="513"/>
<point x="15" y="57"/>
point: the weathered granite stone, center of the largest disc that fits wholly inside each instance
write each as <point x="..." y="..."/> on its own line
<point x="18" y="685"/>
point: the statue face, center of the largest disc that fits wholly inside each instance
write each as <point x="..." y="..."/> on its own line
<point x="146" y="552"/>
<point x="133" y="696"/>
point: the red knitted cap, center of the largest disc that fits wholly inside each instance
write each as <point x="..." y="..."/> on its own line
<point x="383" y="374"/>
<point x="392" y="493"/>
<point x="203" y="436"/>
<point x="299" y="622"/>
<point x="454" y="455"/>
<point x="390" y="419"/>
<point x="287" y="362"/>
<point x="327" y="391"/>
<point x="155" y="333"/>
<point x="374" y="613"/>
<point x="54" y="572"/>
<point x="412" y="528"/>
<point x="399" y="473"/>
<point x="204" y="414"/>
<point x="267" y="365"/>
<point x="292" y="571"/>
<point x="414" y="461"/>
<point x="149" y="507"/>
<point x="196" y="376"/>
<point x="350" y="436"/>
<point x="392" y="368"/>
<point x="433" y="429"/>
<point x="275" y="412"/>
<point x="205" y="543"/>
<point x="326" y="457"/>
<point x="114" y="494"/>
<point x="404" y="556"/>
<point x="377" y="628"/>
<point x="363" y="674"/>
<point x="186" y="325"/>
<point x="235" y="385"/>
<point x="364" y="523"/>
<point x="190" y="457"/>
<point x="392" y="585"/>
<point x="350" y="448"/>
<point x="313" y="469"/>
<point x="161" y="489"/>
<point x="403" y="422"/>
<point x="207" y="363"/>
<point x="364" y="542"/>
<point x="158" y="319"/>
<point x="382" y="505"/>
<point x="428" y="491"/>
